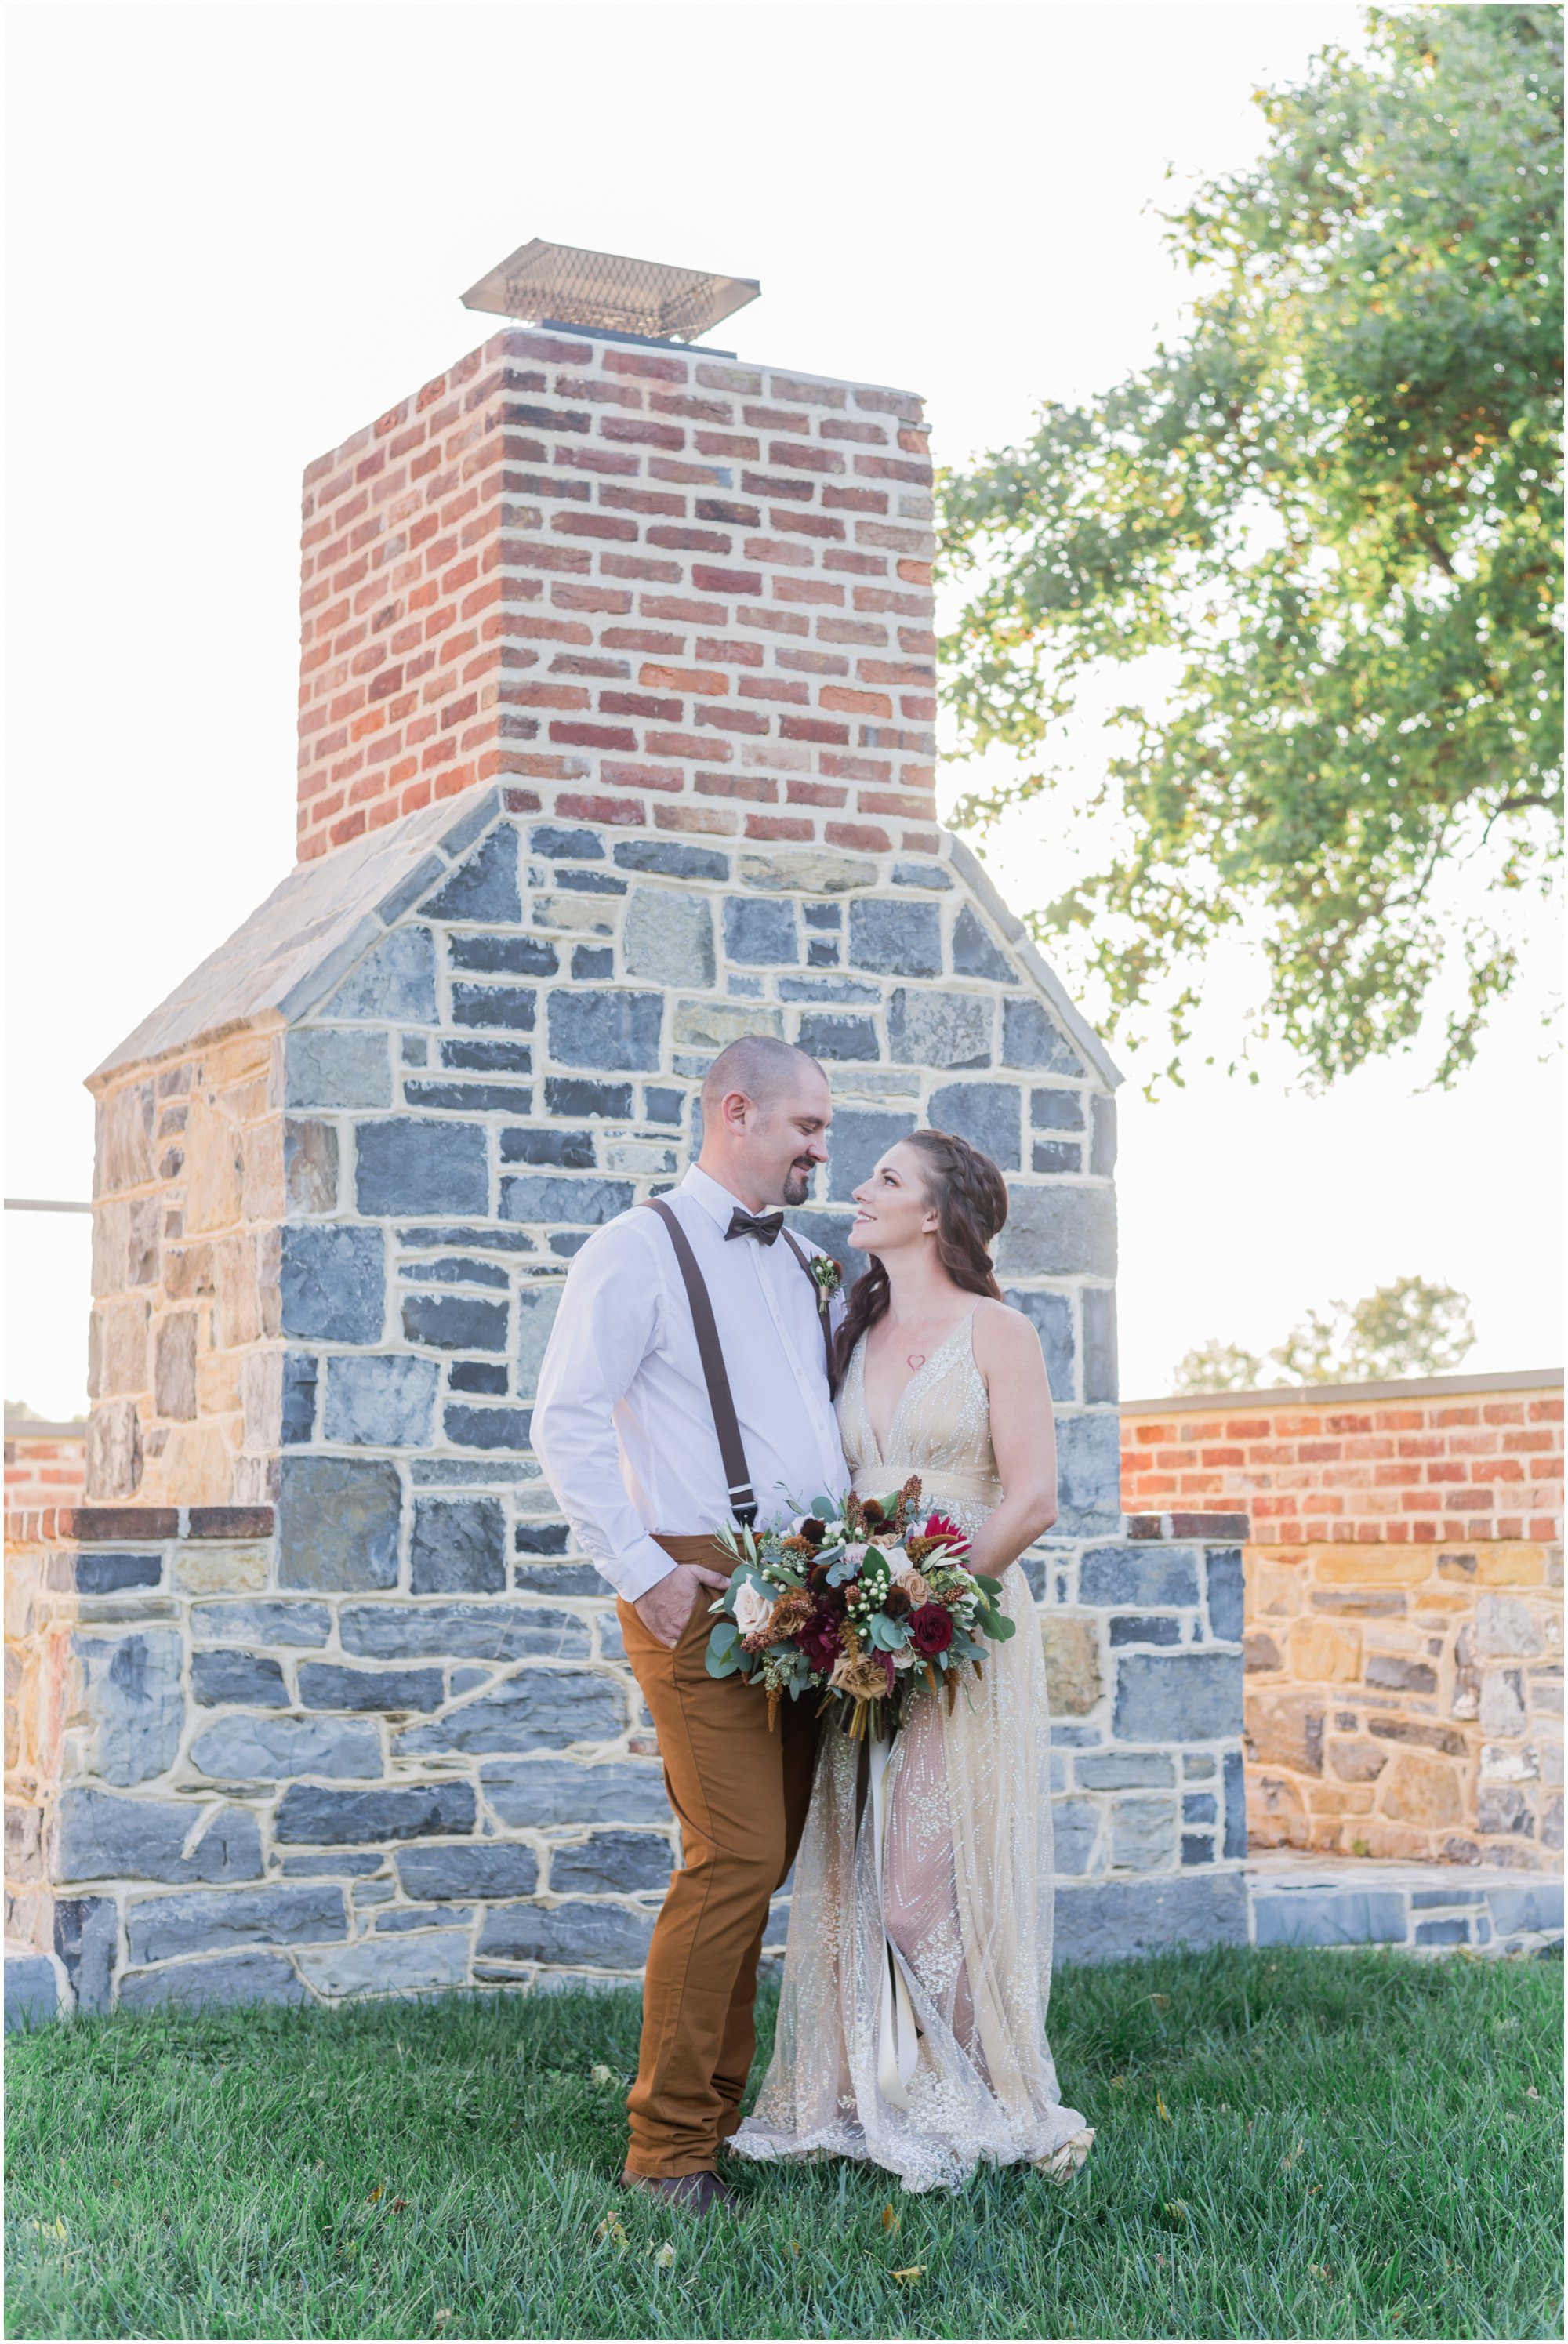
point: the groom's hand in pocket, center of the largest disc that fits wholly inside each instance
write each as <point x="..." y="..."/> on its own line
<point x="666" y="1608"/>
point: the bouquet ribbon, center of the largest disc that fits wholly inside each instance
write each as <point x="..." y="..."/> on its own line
<point x="897" y="2048"/>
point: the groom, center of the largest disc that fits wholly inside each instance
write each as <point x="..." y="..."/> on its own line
<point x="685" y="1386"/>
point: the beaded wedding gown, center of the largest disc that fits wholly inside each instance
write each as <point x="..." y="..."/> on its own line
<point x="912" y="2023"/>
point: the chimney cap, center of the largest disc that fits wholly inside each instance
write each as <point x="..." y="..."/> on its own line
<point x="605" y="291"/>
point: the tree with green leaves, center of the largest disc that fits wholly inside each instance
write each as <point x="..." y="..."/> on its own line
<point x="1409" y="1328"/>
<point x="1335" y="507"/>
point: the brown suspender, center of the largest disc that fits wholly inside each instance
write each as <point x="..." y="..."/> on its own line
<point x="715" y="1375"/>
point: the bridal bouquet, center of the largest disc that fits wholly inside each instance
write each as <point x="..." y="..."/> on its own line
<point x="861" y="1601"/>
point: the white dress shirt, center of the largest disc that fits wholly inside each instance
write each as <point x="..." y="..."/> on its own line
<point x="622" y="1424"/>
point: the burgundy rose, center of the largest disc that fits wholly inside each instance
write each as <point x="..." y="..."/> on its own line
<point x="930" y="1630"/>
<point x="819" y="1640"/>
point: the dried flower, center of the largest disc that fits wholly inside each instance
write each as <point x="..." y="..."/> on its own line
<point x="864" y="1676"/>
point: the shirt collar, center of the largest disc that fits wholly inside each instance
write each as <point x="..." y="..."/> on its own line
<point x="717" y="1201"/>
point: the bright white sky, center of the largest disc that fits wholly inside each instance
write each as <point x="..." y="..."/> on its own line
<point x="239" y="231"/>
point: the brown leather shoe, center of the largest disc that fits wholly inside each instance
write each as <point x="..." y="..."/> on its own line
<point x="692" y="2193"/>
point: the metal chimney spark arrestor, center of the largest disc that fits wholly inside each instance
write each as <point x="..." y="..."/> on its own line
<point x="561" y="284"/>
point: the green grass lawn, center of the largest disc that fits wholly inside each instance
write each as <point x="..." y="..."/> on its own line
<point x="1289" y="2145"/>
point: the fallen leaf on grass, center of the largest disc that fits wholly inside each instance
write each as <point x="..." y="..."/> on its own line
<point x="443" y="2317"/>
<point x="1530" y="2093"/>
<point x="889" y="2218"/>
<point x="603" y="2075"/>
<point x="375" y="2193"/>
<point x="1289" y="2159"/>
<point x="612" y="2230"/>
<point x="1321" y="2270"/>
<point x="1118" y="2083"/>
<point x="400" y="2205"/>
<point x="1314" y="2190"/>
<point x="1177" y="2205"/>
<point x="1160" y="2001"/>
<point x="914" y="2271"/>
<point x="1160" y="2107"/>
<point x="794" y="2247"/>
<point x="665" y="2256"/>
<point x="55" y="2229"/>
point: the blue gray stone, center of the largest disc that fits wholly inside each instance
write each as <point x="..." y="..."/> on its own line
<point x="324" y="1684"/>
<point x="1089" y="1475"/>
<point x="1058" y="1232"/>
<point x="895" y="939"/>
<point x="479" y="1630"/>
<point x="668" y="937"/>
<point x="502" y="956"/>
<point x="333" y="1283"/>
<point x="132" y="1697"/>
<point x="103" y="1837"/>
<point x="457" y="1271"/>
<point x="1145" y="1627"/>
<point x="542" y="1709"/>
<point x="610" y="1862"/>
<point x="299" y="1417"/>
<point x="1153" y="1576"/>
<point x="261" y="1623"/>
<point x="482" y="1055"/>
<point x="759" y="933"/>
<point x="1117" y="1920"/>
<point x="615" y="1030"/>
<point x="926" y="1028"/>
<point x="313" y="1815"/>
<point x="231" y="1979"/>
<point x="1442" y="1932"/>
<point x="1055" y="1156"/>
<point x="532" y="1794"/>
<point x="87" y="1939"/>
<point x="988" y="1114"/>
<point x="1192" y="1696"/>
<point x="455" y="1322"/>
<point x="488" y="1868"/>
<point x="581" y="845"/>
<point x="538" y="1196"/>
<point x="470" y="1098"/>
<point x="116" y="1574"/>
<point x="329" y="1066"/>
<point x="1226" y="1593"/>
<point x="222" y="1676"/>
<point x="1199" y="1807"/>
<point x="1142" y="1834"/>
<point x="536" y="1309"/>
<point x="824" y="1034"/>
<point x="1056" y="1110"/>
<point x="828" y="988"/>
<point x="663" y="1105"/>
<point x="433" y="1962"/>
<point x="404" y="1917"/>
<point x="670" y="860"/>
<point x="485" y="887"/>
<point x="542" y="1538"/>
<point x="1124" y="1770"/>
<point x="1101" y="1368"/>
<point x="395" y="982"/>
<point x="1029" y="1038"/>
<point x="858" y="1137"/>
<point x="486" y="1428"/>
<point x="32" y="1991"/>
<point x="338" y="1521"/>
<point x="570" y="1151"/>
<point x="1051" y="1315"/>
<point x="569" y="1094"/>
<point x="1075" y="1824"/>
<point x="506" y="1008"/>
<point x="337" y="1865"/>
<point x="1537" y="1905"/>
<point x="459" y="1547"/>
<point x="598" y="1936"/>
<point x="406" y="1164"/>
<point x="245" y="1748"/>
<point x="385" y="1401"/>
<point x="1329" y="1916"/>
<point x="214" y="1920"/>
<point x="975" y="955"/>
<point x="922" y="874"/>
<point x="1102" y="1147"/>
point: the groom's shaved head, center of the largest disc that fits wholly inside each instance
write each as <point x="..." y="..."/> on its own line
<point x="758" y="1065"/>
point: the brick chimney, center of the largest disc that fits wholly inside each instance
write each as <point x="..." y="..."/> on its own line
<point x="642" y="585"/>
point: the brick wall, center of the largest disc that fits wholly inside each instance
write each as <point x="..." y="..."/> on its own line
<point x="676" y="588"/>
<point x="45" y="1465"/>
<point x="1403" y="1607"/>
<point x="1448" y="1458"/>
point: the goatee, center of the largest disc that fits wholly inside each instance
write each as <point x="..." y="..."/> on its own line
<point x="797" y="1185"/>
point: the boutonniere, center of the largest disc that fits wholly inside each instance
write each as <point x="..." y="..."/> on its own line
<point x="828" y="1277"/>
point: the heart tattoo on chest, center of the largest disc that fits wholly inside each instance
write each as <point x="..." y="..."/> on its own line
<point x="916" y="1358"/>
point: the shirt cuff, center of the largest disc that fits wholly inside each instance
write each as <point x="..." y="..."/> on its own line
<point x="641" y="1567"/>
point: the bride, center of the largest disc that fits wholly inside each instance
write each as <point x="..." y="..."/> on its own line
<point x="911" y="2027"/>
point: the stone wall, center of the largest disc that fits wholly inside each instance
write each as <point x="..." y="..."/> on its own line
<point x="1404" y="1608"/>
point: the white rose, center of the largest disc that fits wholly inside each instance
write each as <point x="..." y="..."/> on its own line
<point x="898" y="1563"/>
<point x="855" y="1555"/>
<point x="753" y="1610"/>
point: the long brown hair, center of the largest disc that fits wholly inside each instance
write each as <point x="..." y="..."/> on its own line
<point x="970" y="1199"/>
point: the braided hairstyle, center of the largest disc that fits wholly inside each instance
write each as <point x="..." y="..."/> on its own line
<point x="970" y="1199"/>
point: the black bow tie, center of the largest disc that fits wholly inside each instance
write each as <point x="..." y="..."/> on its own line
<point x="764" y="1227"/>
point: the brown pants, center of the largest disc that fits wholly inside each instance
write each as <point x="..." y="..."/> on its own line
<point x="741" y="1793"/>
